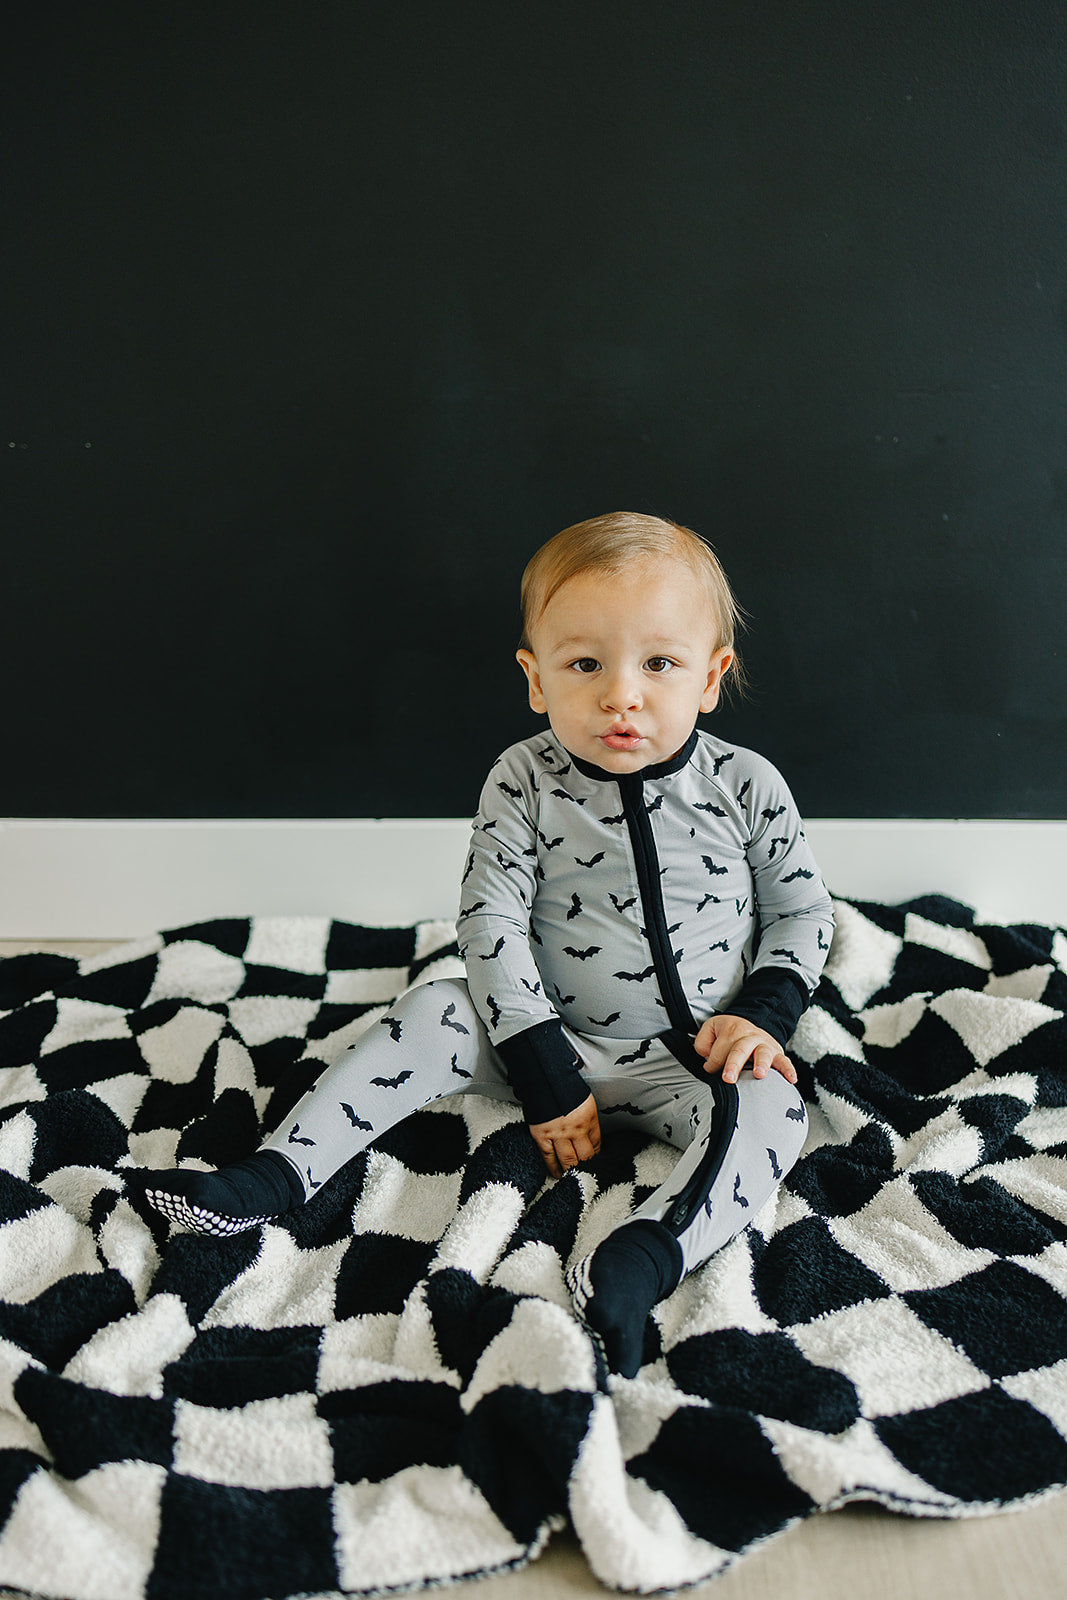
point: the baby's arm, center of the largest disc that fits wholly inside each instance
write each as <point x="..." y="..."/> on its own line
<point x="495" y="940"/>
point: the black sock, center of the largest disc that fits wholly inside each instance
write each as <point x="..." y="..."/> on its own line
<point x="634" y="1268"/>
<point x="264" y="1185"/>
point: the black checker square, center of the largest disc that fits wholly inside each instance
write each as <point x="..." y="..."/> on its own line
<point x="984" y="1449"/>
<point x="378" y="1356"/>
<point x="245" y="1544"/>
<point x="802" y="1272"/>
<point x="1005" y="1317"/>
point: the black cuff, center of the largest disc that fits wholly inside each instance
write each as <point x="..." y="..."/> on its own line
<point x="774" y="999"/>
<point x="543" y="1071"/>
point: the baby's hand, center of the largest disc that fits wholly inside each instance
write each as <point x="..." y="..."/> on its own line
<point x="567" y="1140"/>
<point x="729" y="1042"/>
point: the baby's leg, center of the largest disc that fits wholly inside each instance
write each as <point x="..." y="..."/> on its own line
<point x="738" y="1141"/>
<point x="430" y="1044"/>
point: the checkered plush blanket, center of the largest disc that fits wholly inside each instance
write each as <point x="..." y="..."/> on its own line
<point x="389" y="1390"/>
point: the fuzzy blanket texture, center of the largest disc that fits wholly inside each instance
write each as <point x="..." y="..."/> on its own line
<point x="389" y="1389"/>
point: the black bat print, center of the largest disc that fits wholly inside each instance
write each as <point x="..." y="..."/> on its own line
<point x="535" y="936"/>
<point x="720" y="944"/>
<point x="393" y="1083"/>
<point x="708" y="900"/>
<point x="547" y="755"/>
<point x="582" y="955"/>
<point x="575" y="908"/>
<point x="487" y="827"/>
<point x="706" y="805"/>
<point x="561" y="794"/>
<point x="470" y="869"/>
<point x="636" y="977"/>
<point x="795" y="1114"/>
<point x="549" y="844"/>
<point x="639" y="1054"/>
<point x="655" y="804"/>
<point x="564" y="999"/>
<point x="534" y="988"/>
<point x="694" y="1117"/>
<point x="495" y="951"/>
<point x="531" y="851"/>
<point x="692" y="833"/>
<point x="561" y="772"/>
<point x="311" y="1181"/>
<point x="295" y="1136"/>
<point x="823" y="945"/>
<point x="505" y="788"/>
<point x="716" y="872"/>
<point x="741" y="904"/>
<point x="508" y="866"/>
<point x="393" y="1024"/>
<point x="592" y="859"/>
<point x="667" y="1130"/>
<point x="775" y="1168"/>
<point x="789" y="956"/>
<point x="742" y="792"/>
<point x="781" y="839"/>
<point x="624" y="1105"/>
<point x="704" y="981"/>
<point x="458" y="1070"/>
<point x="357" y="1122"/>
<point x="622" y="905"/>
<point x="605" y="1022"/>
<point x="770" y="815"/>
<point x="468" y="911"/>
<point x="612" y="822"/>
<point x="497" y="1011"/>
<point x="677" y="954"/>
<point x="739" y="1198"/>
<point x="446" y="1021"/>
<point x="720" y="762"/>
<point x="801" y="872"/>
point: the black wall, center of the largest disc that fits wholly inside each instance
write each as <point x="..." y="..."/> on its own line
<point x="320" y="317"/>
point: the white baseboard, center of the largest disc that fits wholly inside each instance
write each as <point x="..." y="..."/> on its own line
<point x="70" y="878"/>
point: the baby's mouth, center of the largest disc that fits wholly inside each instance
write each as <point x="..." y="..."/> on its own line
<point x="621" y="737"/>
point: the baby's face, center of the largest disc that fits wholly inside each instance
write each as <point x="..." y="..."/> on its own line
<point x="622" y="664"/>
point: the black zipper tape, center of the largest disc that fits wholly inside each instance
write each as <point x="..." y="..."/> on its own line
<point x="647" y="863"/>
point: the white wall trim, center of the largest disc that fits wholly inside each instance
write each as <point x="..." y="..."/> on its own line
<point x="76" y="878"/>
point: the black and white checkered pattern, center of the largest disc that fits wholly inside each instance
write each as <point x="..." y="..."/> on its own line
<point x="389" y="1388"/>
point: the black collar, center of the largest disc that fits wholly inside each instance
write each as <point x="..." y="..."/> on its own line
<point x="662" y="770"/>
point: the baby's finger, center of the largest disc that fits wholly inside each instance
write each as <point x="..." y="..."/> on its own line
<point x="735" y="1060"/>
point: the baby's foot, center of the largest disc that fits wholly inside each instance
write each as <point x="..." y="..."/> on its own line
<point x="229" y="1201"/>
<point x="615" y="1288"/>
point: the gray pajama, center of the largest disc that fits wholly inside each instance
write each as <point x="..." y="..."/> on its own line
<point x="602" y="919"/>
<point x="736" y="1143"/>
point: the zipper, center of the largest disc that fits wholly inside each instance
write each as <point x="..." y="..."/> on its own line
<point x="647" y="862"/>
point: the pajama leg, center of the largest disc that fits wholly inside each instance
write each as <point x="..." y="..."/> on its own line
<point x="430" y="1044"/>
<point x="737" y="1142"/>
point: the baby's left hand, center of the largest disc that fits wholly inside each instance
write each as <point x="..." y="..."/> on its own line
<point x="729" y="1043"/>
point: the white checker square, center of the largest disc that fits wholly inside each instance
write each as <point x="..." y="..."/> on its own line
<point x="895" y="1360"/>
<point x="297" y="944"/>
<point x="278" y="1443"/>
<point x="900" y="1240"/>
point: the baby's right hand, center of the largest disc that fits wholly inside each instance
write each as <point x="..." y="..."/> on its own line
<point x="567" y="1140"/>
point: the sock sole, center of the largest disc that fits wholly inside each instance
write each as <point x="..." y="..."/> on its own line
<point x="198" y="1219"/>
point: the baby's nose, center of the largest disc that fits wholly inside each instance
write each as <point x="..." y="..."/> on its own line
<point x="621" y="693"/>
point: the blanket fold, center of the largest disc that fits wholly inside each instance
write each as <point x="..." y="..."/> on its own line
<point x="388" y="1389"/>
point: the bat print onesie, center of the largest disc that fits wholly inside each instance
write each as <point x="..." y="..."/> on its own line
<point x="602" y="919"/>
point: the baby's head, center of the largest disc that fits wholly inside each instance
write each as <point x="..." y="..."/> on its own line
<point x="609" y="543"/>
<point x="628" y="632"/>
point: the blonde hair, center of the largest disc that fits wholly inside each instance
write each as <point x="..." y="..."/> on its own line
<point x="607" y="544"/>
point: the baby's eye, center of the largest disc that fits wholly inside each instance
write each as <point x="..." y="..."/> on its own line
<point x="659" y="664"/>
<point x="585" y="664"/>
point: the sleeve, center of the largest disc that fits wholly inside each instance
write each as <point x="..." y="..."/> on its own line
<point x="495" y="941"/>
<point x="796" y="919"/>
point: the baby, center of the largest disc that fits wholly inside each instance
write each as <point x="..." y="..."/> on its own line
<point x="642" y="924"/>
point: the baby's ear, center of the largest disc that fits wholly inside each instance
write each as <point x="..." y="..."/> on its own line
<point x="718" y="667"/>
<point x="528" y="662"/>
